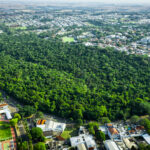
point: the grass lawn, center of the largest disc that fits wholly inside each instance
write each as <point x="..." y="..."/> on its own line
<point x="69" y="132"/>
<point x="21" y="28"/>
<point x="5" y="132"/>
<point x="18" y="28"/>
<point x="67" y="39"/>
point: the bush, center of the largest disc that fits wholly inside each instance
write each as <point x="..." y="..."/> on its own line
<point x="36" y="133"/>
<point x="39" y="146"/>
<point x="134" y="119"/>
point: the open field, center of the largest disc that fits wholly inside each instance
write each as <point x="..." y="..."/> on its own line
<point x="5" y="132"/>
<point x="18" y="28"/>
<point x="21" y="28"/>
<point x="67" y="39"/>
<point x="69" y="132"/>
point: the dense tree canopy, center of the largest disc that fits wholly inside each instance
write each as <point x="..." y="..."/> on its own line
<point x="36" y="133"/>
<point x="74" y="81"/>
<point x="146" y="124"/>
<point x="100" y="136"/>
<point x="27" y="110"/>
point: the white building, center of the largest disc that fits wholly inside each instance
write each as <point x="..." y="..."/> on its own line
<point x="90" y="143"/>
<point x="50" y="125"/>
<point x="88" y="44"/>
<point x="146" y="138"/>
<point x="145" y="40"/>
<point x="76" y="141"/>
<point x="110" y="145"/>
<point x="81" y="147"/>
<point x="87" y="140"/>
<point x="3" y="106"/>
<point x="129" y="144"/>
<point x="103" y="129"/>
<point x="82" y="130"/>
<point x="5" y="110"/>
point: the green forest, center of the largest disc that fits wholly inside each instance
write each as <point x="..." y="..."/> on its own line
<point x="73" y="81"/>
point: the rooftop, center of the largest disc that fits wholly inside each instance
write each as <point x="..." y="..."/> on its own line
<point x="111" y="145"/>
<point x="113" y="131"/>
<point x="109" y="125"/>
<point x="5" y="111"/>
<point x="49" y="125"/>
<point x="147" y="138"/>
<point x="83" y="139"/>
<point x="81" y="147"/>
<point x="2" y="105"/>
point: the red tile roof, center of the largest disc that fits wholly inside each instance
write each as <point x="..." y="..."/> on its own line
<point x="113" y="131"/>
<point x="109" y="125"/>
<point x="140" y="127"/>
<point x="132" y="131"/>
<point x="41" y="122"/>
<point x="2" y="105"/>
<point x="60" y="138"/>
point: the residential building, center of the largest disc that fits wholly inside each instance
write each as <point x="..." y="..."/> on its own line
<point x="49" y="125"/>
<point x="3" y="106"/>
<point x="129" y="144"/>
<point x="110" y="145"/>
<point x="81" y="147"/>
<point x="5" y="110"/>
<point x="87" y="140"/>
<point x="103" y="129"/>
<point x="146" y="138"/>
<point x="113" y="133"/>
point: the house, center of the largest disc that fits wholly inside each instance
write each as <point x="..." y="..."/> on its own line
<point x="113" y="133"/>
<point x="146" y="138"/>
<point x="81" y="147"/>
<point x="3" y="106"/>
<point x="5" y="110"/>
<point x="59" y="138"/>
<point x="110" y="145"/>
<point x="109" y="125"/>
<point x="132" y="131"/>
<point x="87" y="140"/>
<point x="103" y="129"/>
<point x="49" y="125"/>
<point x="1" y="31"/>
<point x="91" y="145"/>
<point x="129" y="144"/>
<point x="76" y="141"/>
<point x="82" y="130"/>
<point x="145" y="40"/>
<point x="138" y="128"/>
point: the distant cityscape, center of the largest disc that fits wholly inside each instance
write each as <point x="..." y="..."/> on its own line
<point x="44" y="119"/>
<point x="124" y="29"/>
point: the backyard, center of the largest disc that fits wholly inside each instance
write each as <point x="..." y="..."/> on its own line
<point x="5" y="131"/>
<point x="69" y="132"/>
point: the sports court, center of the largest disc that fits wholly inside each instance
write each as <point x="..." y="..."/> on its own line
<point x="9" y="144"/>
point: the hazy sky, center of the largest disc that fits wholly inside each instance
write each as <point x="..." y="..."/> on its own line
<point x="85" y="1"/>
<point x="103" y="1"/>
<point x="114" y="1"/>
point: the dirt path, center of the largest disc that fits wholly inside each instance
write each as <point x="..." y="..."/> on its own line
<point x="12" y="103"/>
